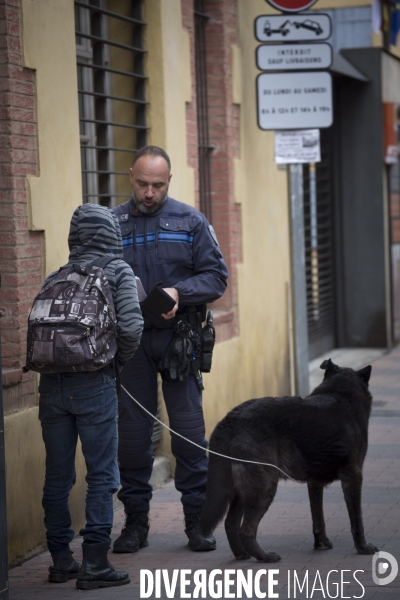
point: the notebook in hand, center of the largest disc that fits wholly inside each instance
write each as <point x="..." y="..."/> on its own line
<point x="155" y="304"/>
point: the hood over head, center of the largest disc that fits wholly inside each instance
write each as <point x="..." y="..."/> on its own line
<point x="94" y="232"/>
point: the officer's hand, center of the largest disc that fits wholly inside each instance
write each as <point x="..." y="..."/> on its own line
<point x="175" y="295"/>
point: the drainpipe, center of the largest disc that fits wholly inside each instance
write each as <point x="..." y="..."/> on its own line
<point x="3" y="513"/>
<point x="299" y="288"/>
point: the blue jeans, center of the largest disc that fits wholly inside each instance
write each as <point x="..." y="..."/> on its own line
<point x="73" y="404"/>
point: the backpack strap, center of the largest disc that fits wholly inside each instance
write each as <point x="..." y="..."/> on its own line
<point x="77" y="268"/>
<point x="103" y="262"/>
<point x="100" y="262"/>
<point x="85" y="269"/>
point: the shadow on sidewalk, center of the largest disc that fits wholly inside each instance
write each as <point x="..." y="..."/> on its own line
<point x="285" y="529"/>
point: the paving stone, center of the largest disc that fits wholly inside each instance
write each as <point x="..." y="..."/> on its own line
<point x="285" y="529"/>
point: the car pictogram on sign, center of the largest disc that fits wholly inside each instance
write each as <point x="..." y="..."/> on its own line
<point x="297" y="28"/>
<point x="308" y="24"/>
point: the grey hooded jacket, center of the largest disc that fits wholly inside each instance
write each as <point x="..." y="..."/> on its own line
<point x="95" y="232"/>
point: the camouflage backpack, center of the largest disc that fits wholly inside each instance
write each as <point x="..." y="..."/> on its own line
<point x="72" y="325"/>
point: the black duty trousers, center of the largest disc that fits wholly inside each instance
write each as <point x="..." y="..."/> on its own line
<point x="184" y="405"/>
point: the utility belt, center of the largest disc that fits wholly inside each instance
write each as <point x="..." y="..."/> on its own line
<point x="169" y="324"/>
<point x="107" y="370"/>
<point x="162" y="323"/>
<point x="190" y="350"/>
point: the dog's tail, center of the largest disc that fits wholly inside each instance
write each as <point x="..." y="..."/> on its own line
<point x="219" y="494"/>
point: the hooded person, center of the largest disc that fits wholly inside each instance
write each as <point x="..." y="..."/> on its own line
<point x="85" y="404"/>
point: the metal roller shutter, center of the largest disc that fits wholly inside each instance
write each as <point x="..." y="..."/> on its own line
<point x="319" y="248"/>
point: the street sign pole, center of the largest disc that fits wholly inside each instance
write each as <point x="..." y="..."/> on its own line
<point x="299" y="289"/>
<point x="3" y="512"/>
<point x="300" y="100"/>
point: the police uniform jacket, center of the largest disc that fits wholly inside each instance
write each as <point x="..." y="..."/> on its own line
<point x="177" y="246"/>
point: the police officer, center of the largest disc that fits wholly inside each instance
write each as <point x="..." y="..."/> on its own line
<point x="168" y="241"/>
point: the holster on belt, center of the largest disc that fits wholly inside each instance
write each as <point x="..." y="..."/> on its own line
<point x="207" y="343"/>
<point x="190" y="350"/>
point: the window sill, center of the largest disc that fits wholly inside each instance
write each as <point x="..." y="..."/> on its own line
<point x="11" y="376"/>
<point x="224" y="323"/>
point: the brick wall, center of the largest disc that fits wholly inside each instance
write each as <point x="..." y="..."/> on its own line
<point x="21" y="253"/>
<point x="191" y="107"/>
<point x="224" y="132"/>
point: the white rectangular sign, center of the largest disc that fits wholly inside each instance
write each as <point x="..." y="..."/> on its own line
<point x="294" y="100"/>
<point x="293" y="57"/>
<point x="293" y="28"/>
<point x="301" y="146"/>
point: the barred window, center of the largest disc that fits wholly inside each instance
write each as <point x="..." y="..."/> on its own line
<point x="111" y="88"/>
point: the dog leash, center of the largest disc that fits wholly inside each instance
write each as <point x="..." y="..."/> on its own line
<point x="253" y="462"/>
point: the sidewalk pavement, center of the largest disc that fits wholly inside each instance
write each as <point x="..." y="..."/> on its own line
<point x="285" y="529"/>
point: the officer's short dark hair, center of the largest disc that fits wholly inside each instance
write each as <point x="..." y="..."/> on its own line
<point x="152" y="151"/>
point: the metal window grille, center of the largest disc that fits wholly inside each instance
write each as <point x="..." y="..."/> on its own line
<point x="111" y="88"/>
<point x="112" y="104"/>
<point x="319" y="247"/>
<point x="204" y="147"/>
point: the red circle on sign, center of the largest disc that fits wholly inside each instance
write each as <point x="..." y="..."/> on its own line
<point x="291" y="5"/>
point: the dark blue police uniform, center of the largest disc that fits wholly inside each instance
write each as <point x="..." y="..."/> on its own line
<point x="175" y="245"/>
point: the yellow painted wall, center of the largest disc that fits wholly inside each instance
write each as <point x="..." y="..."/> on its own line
<point x="329" y="4"/>
<point x="25" y="460"/>
<point x="169" y="88"/>
<point x="49" y="49"/>
<point x="256" y="362"/>
<point x="253" y="364"/>
<point x="25" y="476"/>
<point x="262" y="189"/>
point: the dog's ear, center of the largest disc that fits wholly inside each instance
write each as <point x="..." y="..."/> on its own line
<point x="329" y="367"/>
<point x="365" y="373"/>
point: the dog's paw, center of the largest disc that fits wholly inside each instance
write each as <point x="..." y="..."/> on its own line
<point x="324" y="544"/>
<point x="270" y="557"/>
<point x="242" y="555"/>
<point x="367" y="549"/>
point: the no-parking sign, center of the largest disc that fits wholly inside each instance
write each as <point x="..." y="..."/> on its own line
<point x="292" y="6"/>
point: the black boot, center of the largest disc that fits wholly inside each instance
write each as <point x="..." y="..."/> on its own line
<point x="197" y="541"/>
<point x="64" y="568"/>
<point x="96" y="571"/>
<point x="134" y="534"/>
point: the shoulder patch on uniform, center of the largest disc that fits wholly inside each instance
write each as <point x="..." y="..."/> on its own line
<point x="123" y="217"/>
<point x="213" y="235"/>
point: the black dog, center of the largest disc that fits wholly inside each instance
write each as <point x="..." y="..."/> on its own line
<point x="316" y="441"/>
